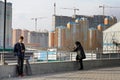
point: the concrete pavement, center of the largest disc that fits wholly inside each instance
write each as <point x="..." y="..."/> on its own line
<point x="94" y="74"/>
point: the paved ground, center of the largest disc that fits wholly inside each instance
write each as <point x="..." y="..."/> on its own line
<point x="96" y="74"/>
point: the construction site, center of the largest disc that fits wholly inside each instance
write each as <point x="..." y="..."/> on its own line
<point x="92" y="31"/>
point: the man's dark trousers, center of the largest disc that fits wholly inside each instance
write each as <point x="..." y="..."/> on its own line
<point x="20" y="65"/>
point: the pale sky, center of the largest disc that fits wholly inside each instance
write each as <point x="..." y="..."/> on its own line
<point x="24" y="10"/>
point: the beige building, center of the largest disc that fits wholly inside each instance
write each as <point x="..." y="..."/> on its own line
<point x="16" y="34"/>
<point x="84" y="26"/>
<point x="51" y="39"/>
<point x="92" y="39"/>
<point x="25" y="34"/>
<point x="71" y="34"/>
<point x="60" y="37"/>
<point x="32" y="39"/>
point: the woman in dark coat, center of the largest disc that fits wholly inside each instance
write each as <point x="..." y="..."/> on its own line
<point x="80" y="54"/>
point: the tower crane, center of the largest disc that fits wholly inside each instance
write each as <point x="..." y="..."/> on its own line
<point x="75" y="9"/>
<point x="103" y="7"/>
<point x="36" y="20"/>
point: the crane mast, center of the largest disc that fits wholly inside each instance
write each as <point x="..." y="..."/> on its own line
<point x="103" y="7"/>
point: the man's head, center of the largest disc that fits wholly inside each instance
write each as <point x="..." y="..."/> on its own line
<point x="21" y="39"/>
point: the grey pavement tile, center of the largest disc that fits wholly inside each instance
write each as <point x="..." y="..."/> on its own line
<point x="96" y="74"/>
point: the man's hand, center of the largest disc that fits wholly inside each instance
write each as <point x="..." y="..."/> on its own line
<point x="23" y="51"/>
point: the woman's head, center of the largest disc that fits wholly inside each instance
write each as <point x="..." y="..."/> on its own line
<point x="78" y="44"/>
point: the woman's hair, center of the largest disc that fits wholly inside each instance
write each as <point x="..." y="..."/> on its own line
<point x="78" y="44"/>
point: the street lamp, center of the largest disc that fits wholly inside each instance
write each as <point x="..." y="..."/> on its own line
<point x="4" y="34"/>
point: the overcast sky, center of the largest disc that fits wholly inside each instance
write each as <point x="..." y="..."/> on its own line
<point x="24" y="10"/>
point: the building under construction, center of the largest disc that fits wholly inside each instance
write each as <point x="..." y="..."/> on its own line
<point x="87" y="30"/>
<point x="63" y="20"/>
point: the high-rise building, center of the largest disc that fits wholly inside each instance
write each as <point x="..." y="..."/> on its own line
<point x="65" y="37"/>
<point x="92" y="39"/>
<point x="40" y="38"/>
<point x="51" y="39"/>
<point x="71" y="33"/>
<point x="59" y="40"/>
<point x="8" y="37"/>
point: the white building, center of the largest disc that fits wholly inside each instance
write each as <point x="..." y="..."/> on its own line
<point x="111" y="35"/>
<point x="8" y="41"/>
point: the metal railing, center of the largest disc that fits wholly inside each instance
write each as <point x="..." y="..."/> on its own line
<point x="71" y="56"/>
<point x="53" y="56"/>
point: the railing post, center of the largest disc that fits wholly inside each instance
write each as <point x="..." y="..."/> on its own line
<point x="56" y="55"/>
<point x="118" y="53"/>
<point x="47" y="56"/>
<point x="1" y="58"/>
<point x="59" y="56"/>
<point x="33" y="58"/>
<point x="100" y="55"/>
<point x="109" y="56"/>
<point x="92" y="55"/>
<point x="70" y="56"/>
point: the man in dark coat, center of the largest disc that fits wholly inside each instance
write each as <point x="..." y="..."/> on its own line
<point x="19" y="50"/>
<point x="80" y="54"/>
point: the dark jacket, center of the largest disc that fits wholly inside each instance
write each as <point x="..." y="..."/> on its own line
<point x="18" y="47"/>
<point x="80" y="52"/>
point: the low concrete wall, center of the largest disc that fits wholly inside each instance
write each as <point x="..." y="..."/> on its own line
<point x="93" y="64"/>
<point x="43" y="68"/>
<point x="7" y="71"/>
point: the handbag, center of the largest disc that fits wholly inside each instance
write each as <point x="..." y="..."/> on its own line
<point x="79" y="56"/>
